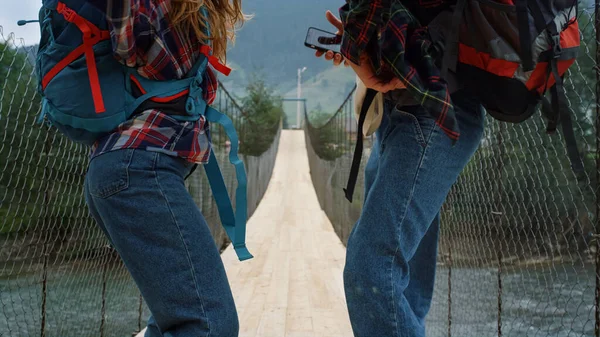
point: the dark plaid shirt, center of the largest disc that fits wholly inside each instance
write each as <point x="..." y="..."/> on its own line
<point x="143" y="37"/>
<point x="398" y="45"/>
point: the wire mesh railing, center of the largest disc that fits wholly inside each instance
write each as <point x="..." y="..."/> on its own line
<point x="330" y="143"/>
<point x="519" y="241"/>
<point x="58" y="276"/>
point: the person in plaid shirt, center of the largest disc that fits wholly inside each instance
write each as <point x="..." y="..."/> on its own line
<point x="135" y="187"/>
<point x="428" y="133"/>
<point x="133" y="32"/>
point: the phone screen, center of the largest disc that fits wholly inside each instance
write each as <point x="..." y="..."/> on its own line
<point x="319" y="39"/>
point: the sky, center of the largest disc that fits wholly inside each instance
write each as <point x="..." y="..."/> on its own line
<point x="13" y="10"/>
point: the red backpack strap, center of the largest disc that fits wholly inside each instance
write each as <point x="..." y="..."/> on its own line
<point x="91" y="36"/>
<point x="220" y="67"/>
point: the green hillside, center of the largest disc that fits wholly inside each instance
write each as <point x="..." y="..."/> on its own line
<point x="325" y="91"/>
<point x="272" y="44"/>
<point x="273" y="41"/>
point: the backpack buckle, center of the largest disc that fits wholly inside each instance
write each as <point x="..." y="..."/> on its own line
<point x="556" y="47"/>
<point x="67" y="12"/>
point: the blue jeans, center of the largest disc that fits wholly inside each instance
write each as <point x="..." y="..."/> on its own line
<point x="139" y="200"/>
<point x="391" y="253"/>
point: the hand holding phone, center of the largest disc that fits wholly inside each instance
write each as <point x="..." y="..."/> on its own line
<point x="327" y="43"/>
<point x="322" y="40"/>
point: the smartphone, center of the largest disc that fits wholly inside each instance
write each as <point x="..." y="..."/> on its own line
<point x="322" y="40"/>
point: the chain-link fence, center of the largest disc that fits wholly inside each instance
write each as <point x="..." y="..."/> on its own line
<point x="518" y="249"/>
<point x="58" y="276"/>
<point x="330" y="144"/>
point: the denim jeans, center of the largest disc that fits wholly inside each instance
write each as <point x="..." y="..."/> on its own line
<point x="138" y="198"/>
<point x="391" y="253"/>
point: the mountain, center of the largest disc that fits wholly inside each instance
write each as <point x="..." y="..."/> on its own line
<point x="272" y="43"/>
<point x="325" y="92"/>
<point x="274" y="39"/>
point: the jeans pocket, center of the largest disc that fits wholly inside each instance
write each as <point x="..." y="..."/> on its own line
<point x="414" y="120"/>
<point x="108" y="173"/>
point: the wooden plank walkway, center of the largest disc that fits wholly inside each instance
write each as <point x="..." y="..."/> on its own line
<point x="293" y="285"/>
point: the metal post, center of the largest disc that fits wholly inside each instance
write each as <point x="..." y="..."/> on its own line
<point x="140" y="313"/>
<point x="45" y="226"/>
<point x="103" y="308"/>
<point x="299" y="94"/>
<point x="500" y="211"/>
<point x="500" y="293"/>
<point x="450" y="290"/>
<point x="597" y="300"/>
<point x="44" y="291"/>
<point x="340" y="132"/>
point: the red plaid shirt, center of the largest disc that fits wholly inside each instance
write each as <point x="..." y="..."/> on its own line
<point x="396" y="43"/>
<point x="143" y="37"/>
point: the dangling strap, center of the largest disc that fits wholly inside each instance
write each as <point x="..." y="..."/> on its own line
<point x="551" y="115"/>
<point x="220" y="67"/>
<point x="524" y="34"/>
<point x="559" y="104"/>
<point x="349" y="190"/>
<point x="234" y="224"/>
<point x="451" y="49"/>
<point x="557" y="111"/>
<point x="207" y="50"/>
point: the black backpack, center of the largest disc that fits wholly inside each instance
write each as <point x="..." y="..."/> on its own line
<point x="509" y="55"/>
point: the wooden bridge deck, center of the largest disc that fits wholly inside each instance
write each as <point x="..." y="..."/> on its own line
<point x="293" y="286"/>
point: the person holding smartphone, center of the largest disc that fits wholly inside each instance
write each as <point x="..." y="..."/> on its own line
<point x="426" y="137"/>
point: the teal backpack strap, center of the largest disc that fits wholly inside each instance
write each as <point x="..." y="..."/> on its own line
<point x="234" y="224"/>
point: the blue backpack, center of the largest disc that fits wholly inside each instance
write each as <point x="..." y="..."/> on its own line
<point x="87" y="93"/>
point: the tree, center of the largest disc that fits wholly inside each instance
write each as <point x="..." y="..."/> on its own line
<point x="328" y="138"/>
<point x="41" y="172"/>
<point x="19" y="104"/>
<point x="263" y="111"/>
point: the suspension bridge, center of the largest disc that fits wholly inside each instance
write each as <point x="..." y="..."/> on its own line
<point x="518" y="249"/>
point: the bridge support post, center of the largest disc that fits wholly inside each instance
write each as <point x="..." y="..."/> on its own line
<point x="44" y="290"/>
<point x="500" y="293"/>
<point x="450" y="290"/>
<point x="103" y="309"/>
<point x="597" y="217"/>
<point x="140" y="308"/>
<point x="500" y="212"/>
<point x="46" y="225"/>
